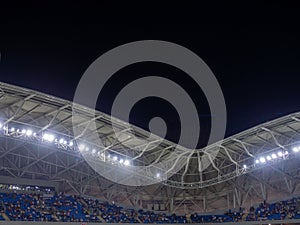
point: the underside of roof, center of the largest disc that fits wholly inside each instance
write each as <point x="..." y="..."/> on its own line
<point x="222" y="175"/>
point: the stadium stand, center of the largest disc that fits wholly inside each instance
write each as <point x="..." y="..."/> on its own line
<point x="62" y="208"/>
<point x="289" y="209"/>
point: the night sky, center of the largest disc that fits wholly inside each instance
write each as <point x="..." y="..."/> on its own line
<point x="257" y="62"/>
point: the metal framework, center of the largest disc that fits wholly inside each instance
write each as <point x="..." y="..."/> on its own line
<point x="232" y="179"/>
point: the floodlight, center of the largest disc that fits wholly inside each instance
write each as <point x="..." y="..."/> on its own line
<point x="115" y="158"/>
<point x="12" y="129"/>
<point x="158" y="175"/>
<point x="29" y="132"/>
<point x="269" y="157"/>
<point x="81" y="147"/>
<point x="121" y="160"/>
<point x="61" y="140"/>
<point x="23" y="131"/>
<point x="257" y="161"/>
<point x="94" y="151"/>
<point x="295" y="149"/>
<point x="48" y="137"/>
<point x="274" y="156"/>
<point x="262" y="159"/>
<point x="245" y="166"/>
<point x="71" y="143"/>
<point x="280" y="154"/>
<point x="51" y="137"/>
<point x="126" y="162"/>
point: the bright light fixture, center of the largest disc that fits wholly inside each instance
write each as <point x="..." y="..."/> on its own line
<point x="126" y="162"/>
<point x="48" y="137"/>
<point x="158" y="175"/>
<point x="280" y="154"/>
<point x="257" y="161"/>
<point x="274" y="156"/>
<point x="295" y="149"/>
<point x="269" y="157"/>
<point x="115" y="158"/>
<point x="81" y="147"/>
<point x="245" y="166"/>
<point x="262" y="159"/>
<point x="29" y="132"/>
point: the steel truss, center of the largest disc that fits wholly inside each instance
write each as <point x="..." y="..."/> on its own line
<point x="226" y="183"/>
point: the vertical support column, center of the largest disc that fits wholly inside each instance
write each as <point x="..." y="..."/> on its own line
<point x="171" y="208"/>
<point x="238" y="197"/>
<point x="228" y="201"/>
<point x="288" y="185"/>
<point x="234" y="204"/>
<point x="263" y="191"/>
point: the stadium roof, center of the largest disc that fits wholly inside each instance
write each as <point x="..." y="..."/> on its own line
<point x="232" y="172"/>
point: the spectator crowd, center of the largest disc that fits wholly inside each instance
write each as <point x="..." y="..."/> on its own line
<point x="62" y="208"/>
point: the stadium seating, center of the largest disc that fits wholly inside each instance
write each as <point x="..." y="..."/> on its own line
<point x="62" y="208"/>
<point x="289" y="209"/>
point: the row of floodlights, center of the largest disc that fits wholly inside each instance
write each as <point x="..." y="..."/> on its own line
<point x="48" y="137"/>
<point x="108" y="157"/>
<point x="275" y="156"/>
<point x="45" y="136"/>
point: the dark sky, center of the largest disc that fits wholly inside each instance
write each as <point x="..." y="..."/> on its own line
<point x="255" y="60"/>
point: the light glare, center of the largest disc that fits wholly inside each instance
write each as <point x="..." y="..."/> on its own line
<point x="48" y="137"/>
<point x="81" y="147"/>
<point x="262" y="159"/>
<point x="29" y="132"/>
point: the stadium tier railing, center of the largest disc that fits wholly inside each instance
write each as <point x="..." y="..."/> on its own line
<point x="266" y="222"/>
